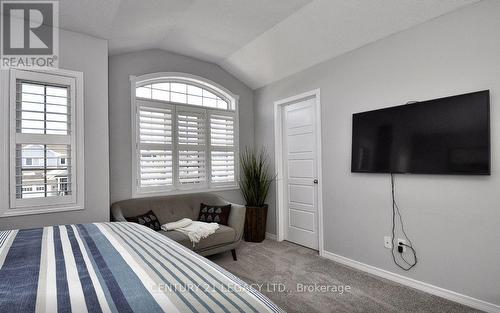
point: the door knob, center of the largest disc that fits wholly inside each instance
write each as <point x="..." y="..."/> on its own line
<point x="315" y="181"/>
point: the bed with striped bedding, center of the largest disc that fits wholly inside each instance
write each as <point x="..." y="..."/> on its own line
<point x="114" y="267"/>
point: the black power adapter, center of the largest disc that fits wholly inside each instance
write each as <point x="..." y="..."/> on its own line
<point x="400" y="248"/>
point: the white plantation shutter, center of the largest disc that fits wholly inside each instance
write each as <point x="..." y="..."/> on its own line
<point x="222" y="148"/>
<point x="223" y="164"/>
<point x="42" y="108"/>
<point x="222" y="130"/>
<point x="186" y="137"/>
<point x="191" y="145"/>
<point x="155" y="125"/>
<point x="156" y="168"/>
<point x="155" y="145"/>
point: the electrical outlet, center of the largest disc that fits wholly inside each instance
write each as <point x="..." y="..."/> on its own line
<point x="388" y="242"/>
<point x="403" y="242"/>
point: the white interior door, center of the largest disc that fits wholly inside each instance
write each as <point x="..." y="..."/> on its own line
<point x="300" y="168"/>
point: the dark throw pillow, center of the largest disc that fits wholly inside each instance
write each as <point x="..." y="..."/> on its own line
<point x="148" y="219"/>
<point x="214" y="213"/>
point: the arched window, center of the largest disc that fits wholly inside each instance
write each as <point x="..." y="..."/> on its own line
<point x="185" y="134"/>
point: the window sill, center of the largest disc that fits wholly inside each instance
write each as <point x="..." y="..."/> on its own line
<point x="183" y="192"/>
<point x="23" y="211"/>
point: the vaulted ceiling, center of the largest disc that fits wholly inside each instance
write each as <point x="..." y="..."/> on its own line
<point x="258" y="41"/>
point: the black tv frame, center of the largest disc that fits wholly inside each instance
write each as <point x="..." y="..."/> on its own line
<point x="416" y="103"/>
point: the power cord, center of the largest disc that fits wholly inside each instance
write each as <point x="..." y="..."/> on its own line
<point x="395" y="211"/>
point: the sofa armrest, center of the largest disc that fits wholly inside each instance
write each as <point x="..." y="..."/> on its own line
<point x="116" y="213"/>
<point x="237" y="219"/>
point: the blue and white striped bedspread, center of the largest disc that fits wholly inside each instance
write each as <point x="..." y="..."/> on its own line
<point x="114" y="267"/>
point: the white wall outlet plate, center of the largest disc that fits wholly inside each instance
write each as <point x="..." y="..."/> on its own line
<point x="402" y="241"/>
<point x="388" y="242"/>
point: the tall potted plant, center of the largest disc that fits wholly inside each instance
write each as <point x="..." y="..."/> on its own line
<point x="255" y="182"/>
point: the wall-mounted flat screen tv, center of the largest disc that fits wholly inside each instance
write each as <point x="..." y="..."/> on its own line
<point x="442" y="136"/>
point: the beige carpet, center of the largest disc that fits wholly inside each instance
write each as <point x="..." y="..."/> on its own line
<point x="272" y="266"/>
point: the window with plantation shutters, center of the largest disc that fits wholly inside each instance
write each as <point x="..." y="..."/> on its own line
<point x="186" y="136"/>
<point x="45" y="150"/>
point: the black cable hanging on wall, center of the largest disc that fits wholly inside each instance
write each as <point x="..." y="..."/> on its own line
<point x="408" y="265"/>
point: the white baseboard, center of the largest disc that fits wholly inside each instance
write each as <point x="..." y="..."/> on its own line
<point x="271" y="236"/>
<point x="413" y="283"/>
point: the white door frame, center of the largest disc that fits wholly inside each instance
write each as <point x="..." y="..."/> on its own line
<point x="278" y="159"/>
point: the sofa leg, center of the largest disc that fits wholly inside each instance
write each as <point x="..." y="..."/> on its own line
<point x="233" y="252"/>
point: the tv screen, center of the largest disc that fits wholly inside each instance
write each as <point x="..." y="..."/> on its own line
<point x="443" y="136"/>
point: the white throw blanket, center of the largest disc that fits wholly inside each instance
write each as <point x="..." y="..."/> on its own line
<point x="193" y="229"/>
<point x="175" y="225"/>
<point x="198" y="230"/>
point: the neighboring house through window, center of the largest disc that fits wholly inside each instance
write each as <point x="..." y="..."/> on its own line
<point x="185" y="134"/>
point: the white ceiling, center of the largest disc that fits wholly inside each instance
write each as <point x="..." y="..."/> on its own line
<point x="258" y="41"/>
<point x="207" y="29"/>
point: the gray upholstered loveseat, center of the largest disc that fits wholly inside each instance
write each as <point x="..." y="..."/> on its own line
<point x="173" y="208"/>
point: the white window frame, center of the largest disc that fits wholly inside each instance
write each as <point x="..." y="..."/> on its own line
<point x="9" y="204"/>
<point x="135" y="81"/>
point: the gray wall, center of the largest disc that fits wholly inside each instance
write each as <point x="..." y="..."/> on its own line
<point x="452" y="220"/>
<point x="153" y="61"/>
<point x="88" y="55"/>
